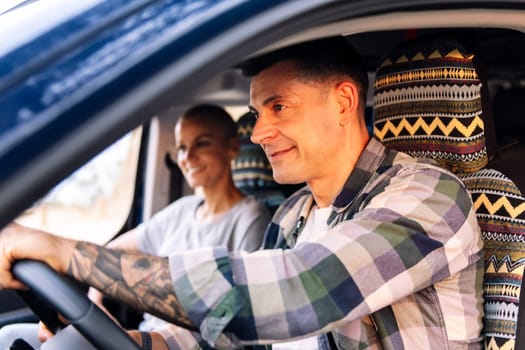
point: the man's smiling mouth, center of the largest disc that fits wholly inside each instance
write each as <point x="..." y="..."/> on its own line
<point x="281" y="152"/>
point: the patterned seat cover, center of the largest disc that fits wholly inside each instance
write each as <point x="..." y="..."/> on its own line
<point x="251" y="170"/>
<point x="428" y="103"/>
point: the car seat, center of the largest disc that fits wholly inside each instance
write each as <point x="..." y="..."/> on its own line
<point x="429" y="102"/>
<point x="251" y="170"/>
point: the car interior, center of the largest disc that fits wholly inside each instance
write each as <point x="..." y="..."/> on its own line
<point x="488" y="159"/>
<point x="501" y="74"/>
<point x="494" y="179"/>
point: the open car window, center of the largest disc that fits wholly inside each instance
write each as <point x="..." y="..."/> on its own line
<point x="93" y="203"/>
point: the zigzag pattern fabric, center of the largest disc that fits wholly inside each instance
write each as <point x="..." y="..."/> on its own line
<point x="251" y="170"/>
<point x="428" y="104"/>
<point x="500" y="208"/>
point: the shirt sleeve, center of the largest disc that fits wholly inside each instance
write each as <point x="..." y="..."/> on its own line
<point x="178" y="338"/>
<point x="418" y="229"/>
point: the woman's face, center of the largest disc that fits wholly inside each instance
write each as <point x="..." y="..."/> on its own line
<point x="203" y="155"/>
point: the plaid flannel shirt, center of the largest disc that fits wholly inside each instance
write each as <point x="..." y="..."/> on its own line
<point x="399" y="268"/>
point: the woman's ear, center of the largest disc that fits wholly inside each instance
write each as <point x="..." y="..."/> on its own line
<point x="348" y="98"/>
<point x="234" y="146"/>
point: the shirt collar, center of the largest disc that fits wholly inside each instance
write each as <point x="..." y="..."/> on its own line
<point x="367" y="164"/>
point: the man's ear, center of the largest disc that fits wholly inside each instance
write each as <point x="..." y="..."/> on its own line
<point x="348" y="98"/>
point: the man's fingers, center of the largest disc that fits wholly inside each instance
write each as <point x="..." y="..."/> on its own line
<point x="20" y="242"/>
<point x="7" y="280"/>
<point x="10" y="283"/>
<point x="43" y="332"/>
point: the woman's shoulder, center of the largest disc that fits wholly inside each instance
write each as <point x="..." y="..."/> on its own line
<point x="250" y="202"/>
<point x="252" y="205"/>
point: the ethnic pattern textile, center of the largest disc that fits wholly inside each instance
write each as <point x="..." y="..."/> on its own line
<point x="427" y="103"/>
<point x="500" y="209"/>
<point x="251" y="169"/>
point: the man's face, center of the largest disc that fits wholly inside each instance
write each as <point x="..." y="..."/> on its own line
<point x="297" y="124"/>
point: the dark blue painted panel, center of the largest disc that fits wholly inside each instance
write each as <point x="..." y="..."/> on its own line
<point x="120" y="54"/>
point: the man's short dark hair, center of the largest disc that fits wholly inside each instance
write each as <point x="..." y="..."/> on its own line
<point x="316" y="60"/>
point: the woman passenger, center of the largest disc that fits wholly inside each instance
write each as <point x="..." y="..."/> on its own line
<point x="206" y="143"/>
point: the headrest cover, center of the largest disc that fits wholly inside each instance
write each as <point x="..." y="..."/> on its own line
<point x="251" y="169"/>
<point x="427" y="103"/>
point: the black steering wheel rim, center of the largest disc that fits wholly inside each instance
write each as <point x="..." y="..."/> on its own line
<point x="68" y="300"/>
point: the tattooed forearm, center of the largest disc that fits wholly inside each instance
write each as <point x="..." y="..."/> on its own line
<point x="142" y="281"/>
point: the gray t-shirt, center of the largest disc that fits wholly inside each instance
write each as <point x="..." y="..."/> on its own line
<point x="175" y="228"/>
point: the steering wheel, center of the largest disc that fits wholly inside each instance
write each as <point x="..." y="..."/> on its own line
<point x="67" y="299"/>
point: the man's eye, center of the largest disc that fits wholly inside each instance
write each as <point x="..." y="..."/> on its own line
<point x="278" y="107"/>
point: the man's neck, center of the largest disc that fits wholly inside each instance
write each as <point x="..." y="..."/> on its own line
<point x="325" y="189"/>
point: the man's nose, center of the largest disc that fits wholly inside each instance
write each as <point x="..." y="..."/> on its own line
<point x="263" y="130"/>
